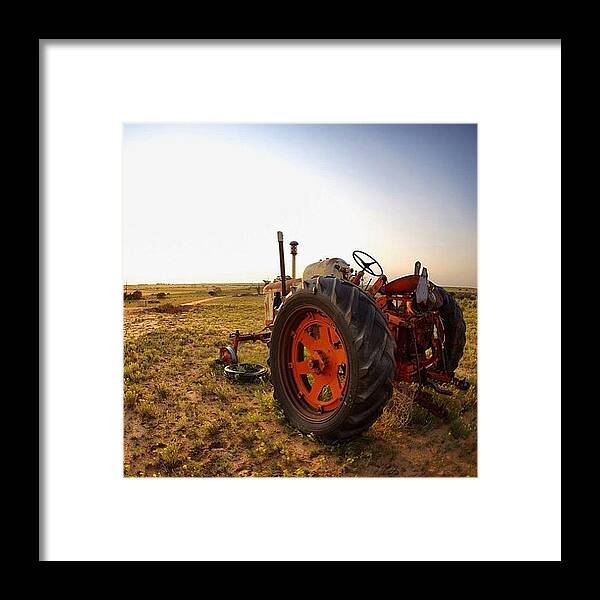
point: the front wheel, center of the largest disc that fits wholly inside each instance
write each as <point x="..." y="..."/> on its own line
<point x="332" y="359"/>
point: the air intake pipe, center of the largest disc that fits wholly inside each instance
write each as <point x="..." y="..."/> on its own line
<point x="293" y="251"/>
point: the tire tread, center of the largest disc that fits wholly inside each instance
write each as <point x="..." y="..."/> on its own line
<point x="376" y="349"/>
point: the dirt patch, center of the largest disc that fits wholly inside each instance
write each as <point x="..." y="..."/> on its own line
<point x="139" y="322"/>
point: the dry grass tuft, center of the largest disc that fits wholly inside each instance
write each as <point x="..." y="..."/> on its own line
<point x="397" y="413"/>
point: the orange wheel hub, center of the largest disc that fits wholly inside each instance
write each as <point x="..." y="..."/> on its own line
<point x="319" y="362"/>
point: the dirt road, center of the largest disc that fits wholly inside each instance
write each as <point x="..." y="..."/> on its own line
<point x="202" y="301"/>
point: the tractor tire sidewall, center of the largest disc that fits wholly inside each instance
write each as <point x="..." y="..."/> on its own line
<point x="369" y="346"/>
<point x="455" y="330"/>
<point x="298" y="302"/>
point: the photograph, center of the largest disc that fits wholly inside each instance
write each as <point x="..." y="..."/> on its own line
<point x="299" y="299"/>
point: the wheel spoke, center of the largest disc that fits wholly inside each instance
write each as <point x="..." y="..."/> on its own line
<point x="306" y="340"/>
<point x="334" y="338"/>
<point x="339" y="358"/>
<point x="313" y="396"/>
<point x="302" y="368"/>
<point x="336" y="388"/>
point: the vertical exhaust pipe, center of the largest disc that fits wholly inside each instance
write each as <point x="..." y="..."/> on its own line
<point x="294" y="251"/>
<point x="281" y="264"/>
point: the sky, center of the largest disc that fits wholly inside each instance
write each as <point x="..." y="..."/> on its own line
<point x="203" y="203"/>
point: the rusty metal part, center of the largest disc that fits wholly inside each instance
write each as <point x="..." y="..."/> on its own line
<point x="417" y="268"/>
<point x="237" y="337"/>
<point x="425" y="399"/>
<point x="402" y="285"/>
<point x="378" y="285"/>
<point x="420" y="339"/>
<point x="281" y="263"/>
<point x="441" y="377"/>
<point x="356" y="279"/>
<point x="228" y="355"/>
<point x="275" y="286"/>
<point x="272" y="293"/>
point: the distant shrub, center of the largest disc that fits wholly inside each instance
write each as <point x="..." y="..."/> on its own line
<point x="161" y="295"/>
<point x="137" y="295"/>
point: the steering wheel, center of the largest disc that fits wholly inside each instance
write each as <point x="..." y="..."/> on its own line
<point x="358" y="255"/>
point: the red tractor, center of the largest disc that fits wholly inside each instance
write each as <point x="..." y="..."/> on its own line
<point x="338" y="344"/>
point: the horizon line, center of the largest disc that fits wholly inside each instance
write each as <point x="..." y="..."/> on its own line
<point x="252" y="282"/>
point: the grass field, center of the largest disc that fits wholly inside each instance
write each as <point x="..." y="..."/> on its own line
<point x="183" y="418"/>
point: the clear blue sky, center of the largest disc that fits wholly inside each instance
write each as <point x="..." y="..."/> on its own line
<point x="203" y="202"/>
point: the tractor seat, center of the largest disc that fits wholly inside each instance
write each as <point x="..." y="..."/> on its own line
<point x="402" y="285"/>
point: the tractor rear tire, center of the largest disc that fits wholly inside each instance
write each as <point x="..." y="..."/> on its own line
<point x="455" y="330"/>
<point x="349" y="325"/>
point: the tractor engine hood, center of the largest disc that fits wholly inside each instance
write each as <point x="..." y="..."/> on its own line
<point x="336" y="267"/>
